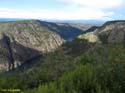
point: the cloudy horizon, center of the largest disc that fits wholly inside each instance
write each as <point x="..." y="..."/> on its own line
<point x="63" y="9"/>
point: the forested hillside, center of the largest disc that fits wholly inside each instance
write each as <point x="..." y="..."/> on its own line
<point x="78" y="66"/>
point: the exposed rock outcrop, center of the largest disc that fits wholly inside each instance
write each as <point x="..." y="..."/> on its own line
<point x="110" y="32"/>
<point x="23" y="40"/>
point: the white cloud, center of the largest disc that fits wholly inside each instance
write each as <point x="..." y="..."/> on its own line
<point x="101" y="4"/>
<point x="82" y="13"/>
<point x="74" y="10"/>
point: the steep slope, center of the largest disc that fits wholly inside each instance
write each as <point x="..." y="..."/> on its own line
<point x="82" y="67"/>
<point x="65" y="30"/>
<point x="24" y="40"/>
<point x="110" y="32"/>
<point x="21" y="41"/>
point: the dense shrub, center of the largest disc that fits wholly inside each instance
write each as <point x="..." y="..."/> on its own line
<point x="99" y="70"/>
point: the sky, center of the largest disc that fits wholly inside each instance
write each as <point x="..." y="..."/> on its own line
<point x="63" y="9"/>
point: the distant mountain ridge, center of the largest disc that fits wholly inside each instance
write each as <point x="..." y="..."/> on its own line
<point x="10" y="19"/>
<point x="96" y="22"/>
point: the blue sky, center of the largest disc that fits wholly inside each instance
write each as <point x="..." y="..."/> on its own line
<point x="63" y="9"/>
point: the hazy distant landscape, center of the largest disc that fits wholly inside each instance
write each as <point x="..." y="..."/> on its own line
<point x="62" y="46"/>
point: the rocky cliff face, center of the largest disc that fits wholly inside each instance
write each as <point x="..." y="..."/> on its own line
<point x="110" y="32"/>
<point x="24" y="40"/>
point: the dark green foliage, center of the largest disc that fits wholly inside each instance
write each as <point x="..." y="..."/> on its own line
<point x="103" y="38"/>
<point x="97" y="70"/>
<point x="77" y="47"/>
<point x="81" y="80"/>
<point x="45" y="70"/>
